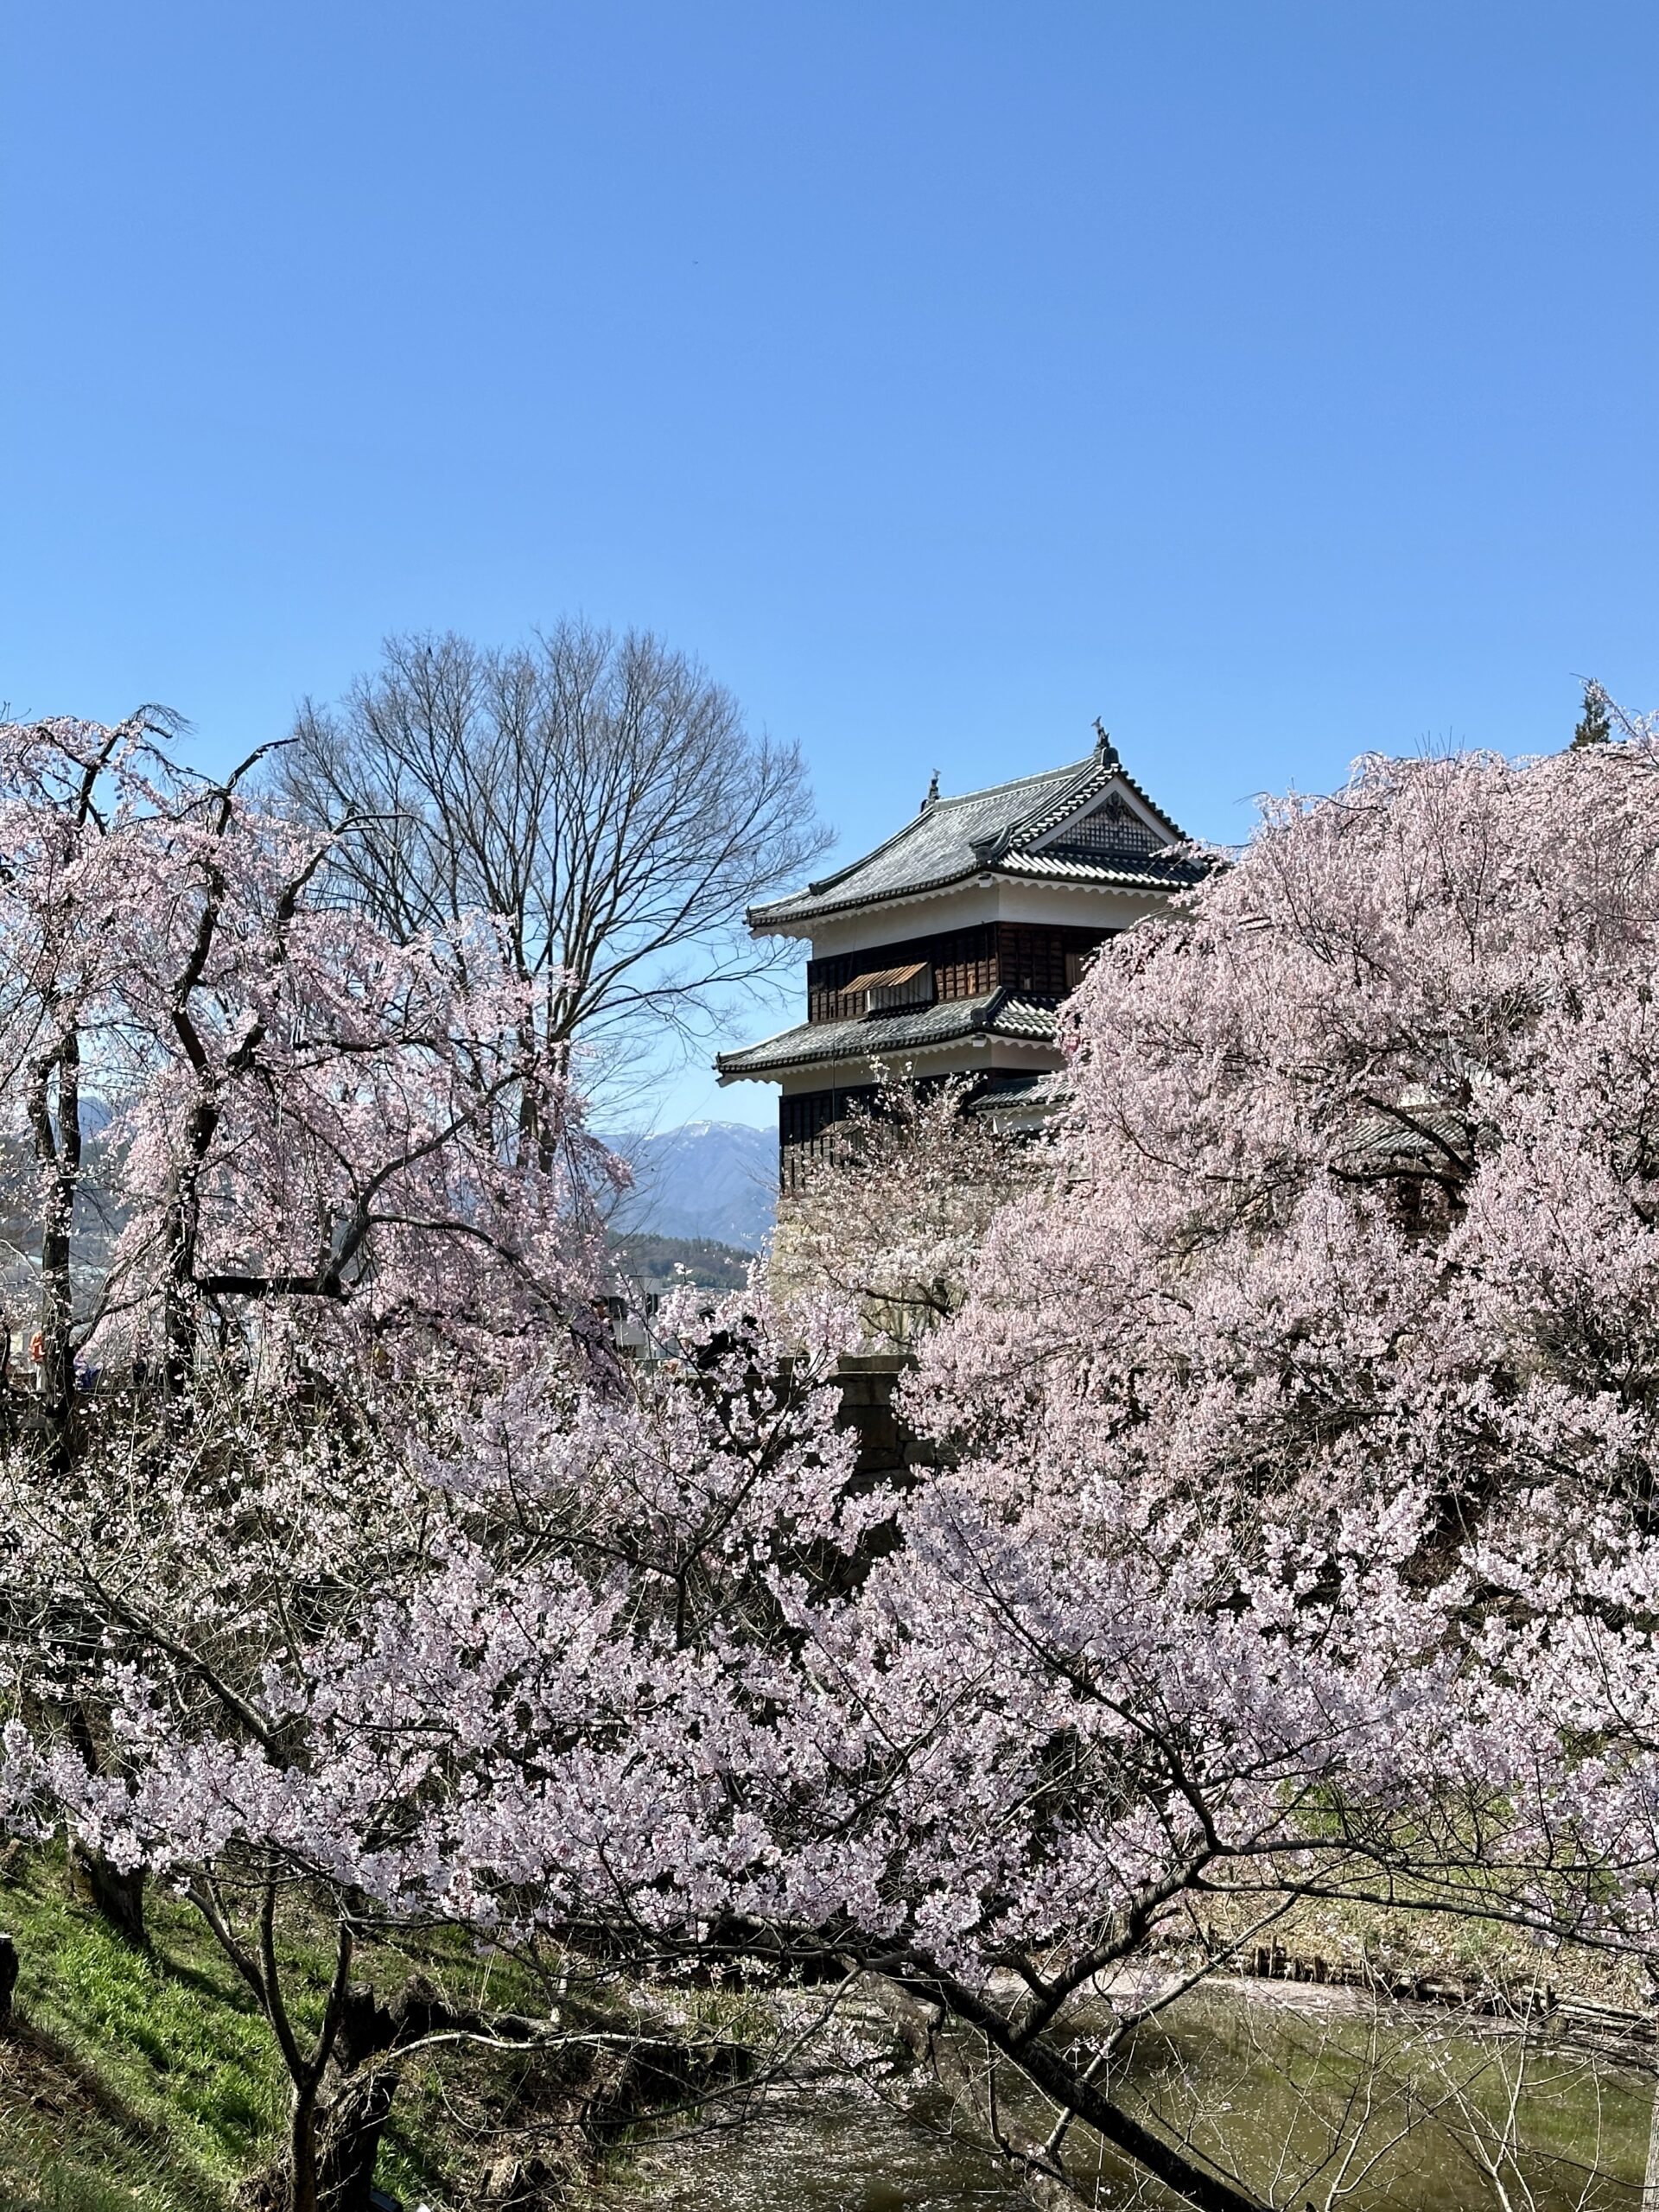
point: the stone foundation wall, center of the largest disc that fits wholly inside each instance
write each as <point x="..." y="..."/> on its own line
<point x="869" y="1383"/>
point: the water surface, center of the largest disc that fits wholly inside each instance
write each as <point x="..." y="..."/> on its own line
<point x="1315" y="2098"/>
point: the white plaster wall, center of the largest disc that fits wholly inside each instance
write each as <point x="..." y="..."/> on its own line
<point x="1080" y="906"/>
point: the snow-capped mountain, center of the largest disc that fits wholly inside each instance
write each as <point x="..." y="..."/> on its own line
<point x="706" y="1179"/>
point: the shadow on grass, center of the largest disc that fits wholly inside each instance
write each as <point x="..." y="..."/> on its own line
<point x="69" y="2143"/>
<point x="152" y="2084"/>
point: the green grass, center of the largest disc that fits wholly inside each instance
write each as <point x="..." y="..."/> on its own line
<point x="91" y="2166"/>
<point x="149" y="2082"/>
<point x="171" y="2035"/>
<point x="153" y="2078"/>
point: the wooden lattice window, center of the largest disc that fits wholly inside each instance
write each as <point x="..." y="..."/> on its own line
<point x="886" y="991"/>
<point x="806" y="1128"/>
<point x="959" y="964"/>
<point x="1043" y="963"/>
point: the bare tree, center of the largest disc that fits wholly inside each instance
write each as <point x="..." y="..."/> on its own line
<point x="600" y="793"/>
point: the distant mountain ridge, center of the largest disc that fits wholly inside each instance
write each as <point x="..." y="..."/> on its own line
<point x="716" y="1179"/>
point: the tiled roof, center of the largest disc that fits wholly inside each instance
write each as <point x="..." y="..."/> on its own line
<point x="1420" y="1132"/>
<point x="953" y="839"/>
<point x="1020" y="1094"/>
<point x="1151" y="874"/>
<point x="997" y="1014"/>
<point x="1022" y="1017"/>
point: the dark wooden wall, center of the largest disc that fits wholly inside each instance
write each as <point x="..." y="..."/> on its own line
<point x="803" y="1123"/>
<point x="806" y="1120"/>
<point x="966" y="963"/>
<point x="963" y="963"/>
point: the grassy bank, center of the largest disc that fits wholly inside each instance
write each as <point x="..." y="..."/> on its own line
<point x="136" y="2082"/>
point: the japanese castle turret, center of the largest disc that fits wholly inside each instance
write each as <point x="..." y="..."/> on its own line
<point x="949" y="949"/>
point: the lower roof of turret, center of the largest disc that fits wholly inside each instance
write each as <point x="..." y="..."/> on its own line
<point x="1013" y="1016"/>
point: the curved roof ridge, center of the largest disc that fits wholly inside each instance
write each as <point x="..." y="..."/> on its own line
<point x="1011" y="1016"/>
<point x="1052" y="812"/>
<point x="1057" y="780"/>
<point x="1037" y="776"/>
<point x="929" y="811"/>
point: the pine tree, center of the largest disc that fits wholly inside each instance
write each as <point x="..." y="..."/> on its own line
<point x="1595" y="725"/>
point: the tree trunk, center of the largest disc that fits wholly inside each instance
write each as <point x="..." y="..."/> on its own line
<point x="348" y="2140"/>
<point x="332" y="2146"/>
<point x="118" y="1898"/>
<point x="57" y="1156"/>
<point x="180" y="1237"/>
<point x="923" y="2011"/>
<point x="178" y="1311"/>
<point x="334" y="2140"/>
<point x="302" y="2152"/>
<point x="1650" y="2179"/>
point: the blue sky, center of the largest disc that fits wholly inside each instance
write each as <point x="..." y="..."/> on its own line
<point x="1277" y="381"/>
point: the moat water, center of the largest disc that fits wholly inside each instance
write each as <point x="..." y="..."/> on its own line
<point x="1314" y="2099"/>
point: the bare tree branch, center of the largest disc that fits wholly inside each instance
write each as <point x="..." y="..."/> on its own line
<point x="598" y="792"/>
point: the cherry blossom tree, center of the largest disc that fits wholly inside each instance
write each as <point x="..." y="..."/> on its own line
<point x="248" y="1129"/>
<point x="1331" y="1352"/>
<point x="55" y="987"/>
<point x="299" y="1116"/>
<point x="890" y="1218"/>
<point x="461" y="1685"/>
<point x="1290" y="1538"/>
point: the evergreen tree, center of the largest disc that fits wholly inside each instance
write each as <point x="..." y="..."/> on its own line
<point x="1594" y="726"/>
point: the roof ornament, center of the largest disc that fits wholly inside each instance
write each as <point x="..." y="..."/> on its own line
<point x="1105" y="751"/>
<point x="933" y="793"/>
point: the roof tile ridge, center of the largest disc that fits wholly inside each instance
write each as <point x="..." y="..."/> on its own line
<point x="1104" y="773"/>
<point x="986" y="1009"/>
<point x="1037" y="776"/>
<point x="1093" y="773"/>
<point x="741" y="1052"/>
<point x="820" y="884"/>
